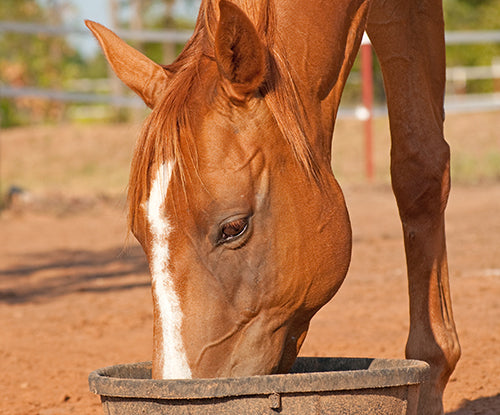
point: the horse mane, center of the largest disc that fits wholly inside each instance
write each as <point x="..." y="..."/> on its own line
<point x="168" y="128"/>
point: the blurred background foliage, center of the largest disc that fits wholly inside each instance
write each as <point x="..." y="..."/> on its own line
<point x="53" y="62"/>
<point x="38" y="61"/>
<point x="473" y="15"/>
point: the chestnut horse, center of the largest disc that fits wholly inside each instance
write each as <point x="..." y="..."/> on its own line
<point x="232" y="194"/>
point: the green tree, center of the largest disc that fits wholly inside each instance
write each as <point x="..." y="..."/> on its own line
<point x="36" y="61"/>
<point x="473" y="15"/>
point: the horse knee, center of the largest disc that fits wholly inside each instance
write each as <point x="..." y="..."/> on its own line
<point x="452" y="357"/>
<point x="442" y="359"/>
<point x="421" y="181"/>
<point x="442" y="352"/>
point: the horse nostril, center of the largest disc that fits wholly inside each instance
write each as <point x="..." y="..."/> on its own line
<point x="248" y="313"/>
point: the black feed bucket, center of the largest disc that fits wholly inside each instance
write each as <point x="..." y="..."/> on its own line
<point x="315" y="386"/>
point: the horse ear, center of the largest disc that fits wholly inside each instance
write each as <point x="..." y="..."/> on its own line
<point x="146" y="78"/>
<point x="239" y="52"/>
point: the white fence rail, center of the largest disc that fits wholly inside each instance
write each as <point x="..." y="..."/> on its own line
<point x="462" y="103"/>
<point x="74" y="97"/>
<point x="160" y="36"/>
<point x="464" y="73"/>
<point x="176" y="36"/>
<point x="471" y="37"/>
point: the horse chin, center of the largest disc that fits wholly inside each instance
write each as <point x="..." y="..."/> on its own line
<point x="239" y="365"/>
<point x="275" y="360"/>
<point x="259" y="348"/>
<point x="261" y="365"/>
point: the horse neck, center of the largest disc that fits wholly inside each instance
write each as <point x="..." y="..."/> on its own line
<point x="320" y="43"/>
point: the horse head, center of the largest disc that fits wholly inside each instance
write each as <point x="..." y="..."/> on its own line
<point x="246" y="235"/>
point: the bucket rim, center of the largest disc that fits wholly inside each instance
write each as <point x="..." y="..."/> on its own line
<point x="369" y="373"/>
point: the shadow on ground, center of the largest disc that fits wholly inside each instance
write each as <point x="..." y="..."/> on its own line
<point x="50" y="274"/>
<point x="481" y="406"/>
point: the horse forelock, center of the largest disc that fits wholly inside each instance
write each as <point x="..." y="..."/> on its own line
<point x="168" y="133"/>
<point x="167" y="129"/>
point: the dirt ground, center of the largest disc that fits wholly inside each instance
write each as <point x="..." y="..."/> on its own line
<point x="75" y="296"/>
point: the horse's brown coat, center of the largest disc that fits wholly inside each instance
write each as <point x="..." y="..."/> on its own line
<point x="247" y="114"/>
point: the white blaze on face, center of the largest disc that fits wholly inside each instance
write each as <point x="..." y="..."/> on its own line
<point x="173" y="359"/>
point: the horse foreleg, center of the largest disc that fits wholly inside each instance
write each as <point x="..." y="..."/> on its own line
<point x="408" y="36"/>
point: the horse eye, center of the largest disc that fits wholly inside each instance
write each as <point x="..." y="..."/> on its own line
<point x="233" y="229"/>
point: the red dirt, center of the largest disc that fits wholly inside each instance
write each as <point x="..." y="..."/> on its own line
<point x="75" y="296"/>
<point x="74" y="300"/>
